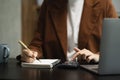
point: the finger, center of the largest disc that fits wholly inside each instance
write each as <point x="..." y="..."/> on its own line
<point x="89" y="58"/>
<point x="83" y="56"/>
<point x="35" y="54"/>
<point x="24" y="55"/>
<point x="28" y="53"/>
<point x="84" y="51"/>
<point x="76" y="49"/>
<point x="75" y="56"/>
<point x="27" y="59"/>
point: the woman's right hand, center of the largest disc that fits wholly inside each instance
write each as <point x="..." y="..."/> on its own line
<point x="28" y="55"/>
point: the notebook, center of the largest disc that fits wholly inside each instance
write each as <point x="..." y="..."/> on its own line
<point x="41" y="63"/>
<point x="109" y="49"/>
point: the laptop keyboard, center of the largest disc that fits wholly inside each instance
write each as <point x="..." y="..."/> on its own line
<point x="90" y="67"/>
<point x="94" y="67"/>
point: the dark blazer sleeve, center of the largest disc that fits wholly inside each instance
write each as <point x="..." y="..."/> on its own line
<point x="110" y="10"/>
<point x="37" y="41"/>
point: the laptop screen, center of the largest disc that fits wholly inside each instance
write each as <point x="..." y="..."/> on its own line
<point x="110" y="46"/>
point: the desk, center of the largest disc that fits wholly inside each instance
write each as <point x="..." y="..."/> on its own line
<point x="13" y="71"/>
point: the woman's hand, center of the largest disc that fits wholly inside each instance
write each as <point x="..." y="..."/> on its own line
<point x="85" y="55"/>
<point x="28" y="55"/>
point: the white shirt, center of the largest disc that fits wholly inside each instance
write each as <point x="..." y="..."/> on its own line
<point x="75" y="9"/>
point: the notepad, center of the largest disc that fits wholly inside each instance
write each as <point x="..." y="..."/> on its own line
<point x="41" y="63"/>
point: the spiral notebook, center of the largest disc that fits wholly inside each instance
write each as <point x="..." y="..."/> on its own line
<point x="41" y="63"/>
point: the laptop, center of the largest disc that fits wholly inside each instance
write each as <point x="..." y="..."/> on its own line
<point x="109" y="62"/>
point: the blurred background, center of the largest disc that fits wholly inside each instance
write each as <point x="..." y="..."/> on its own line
<point x="18" y="21"/>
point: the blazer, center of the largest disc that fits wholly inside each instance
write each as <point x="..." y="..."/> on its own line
<point x="50" y="40"/>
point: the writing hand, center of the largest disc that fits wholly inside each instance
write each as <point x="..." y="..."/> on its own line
<point x="28" y="55"/>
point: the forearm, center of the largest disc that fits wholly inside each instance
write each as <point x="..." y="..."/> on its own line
<point x="36" y="44"/>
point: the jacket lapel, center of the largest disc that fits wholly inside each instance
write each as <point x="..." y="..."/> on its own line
<point x="59" y="16"/>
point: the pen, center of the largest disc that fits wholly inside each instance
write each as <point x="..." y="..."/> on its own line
<point x="23" y="45"/>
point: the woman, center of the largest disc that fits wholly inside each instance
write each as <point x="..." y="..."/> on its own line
<point x="68" y="29"/>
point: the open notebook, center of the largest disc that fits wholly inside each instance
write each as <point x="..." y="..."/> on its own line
<point x="41" y="63"/>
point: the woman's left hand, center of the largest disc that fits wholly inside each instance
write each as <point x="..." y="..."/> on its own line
<point x="85" y="55"/>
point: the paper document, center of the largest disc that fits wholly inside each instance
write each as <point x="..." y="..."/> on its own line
<point x="41" y="63"/>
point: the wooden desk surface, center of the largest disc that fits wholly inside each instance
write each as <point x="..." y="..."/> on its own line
<point x="13" y="71"/>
